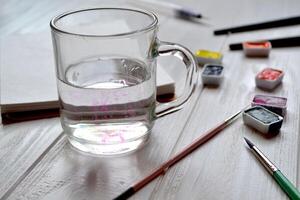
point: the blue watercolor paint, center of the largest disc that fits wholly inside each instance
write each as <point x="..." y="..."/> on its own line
<point x="263" y="115"/>
<point x="213" y="70"/>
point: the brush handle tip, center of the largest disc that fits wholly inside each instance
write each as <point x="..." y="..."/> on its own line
<point x="286" y="185"/>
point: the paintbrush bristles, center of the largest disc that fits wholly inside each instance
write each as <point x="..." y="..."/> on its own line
<point x="250" y="144"/>
<point x="233" y="117"/>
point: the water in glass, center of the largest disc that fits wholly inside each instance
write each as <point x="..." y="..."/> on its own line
<point x="108" y="103"/>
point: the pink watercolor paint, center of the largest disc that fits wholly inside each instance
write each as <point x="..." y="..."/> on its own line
<point x="273" y="103"/>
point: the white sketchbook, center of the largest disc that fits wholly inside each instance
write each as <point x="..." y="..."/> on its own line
<point x="27" y="74"/>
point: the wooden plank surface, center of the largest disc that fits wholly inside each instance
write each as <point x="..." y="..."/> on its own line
<point x="22" y="146"/>
<point x="37" y="162"/>
<point x="18" y="172"/>
<point x="224" y="168"/>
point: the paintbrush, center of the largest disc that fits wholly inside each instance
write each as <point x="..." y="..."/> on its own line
<point x="283" y="182"/>
<point x="162" y="169"/>
<point x="258" y="26"/>
<point x="276" y="43"/>
<point x="167" y="7"/>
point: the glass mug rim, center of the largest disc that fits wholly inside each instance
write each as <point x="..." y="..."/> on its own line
<point x="150" y="27"/>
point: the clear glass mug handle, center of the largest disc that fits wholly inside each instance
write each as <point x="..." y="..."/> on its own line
<point x="171" y="49"/>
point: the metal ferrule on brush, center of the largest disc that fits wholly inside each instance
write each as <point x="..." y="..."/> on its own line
<point x="264" y="160"/>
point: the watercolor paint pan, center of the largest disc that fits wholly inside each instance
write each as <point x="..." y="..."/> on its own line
<point x="269" y="78"/>
<point x="205" y="56"/>
<point x="275" y="104"/>
<point x="263" y="120"/>
<point x="257" y="49"/>
<point x="212" y="74"/>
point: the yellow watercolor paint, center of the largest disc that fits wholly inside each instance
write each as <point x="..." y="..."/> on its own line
<point x="208" y="54"/>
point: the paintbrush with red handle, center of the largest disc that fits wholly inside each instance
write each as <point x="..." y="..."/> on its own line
<point x="177" y="157"/>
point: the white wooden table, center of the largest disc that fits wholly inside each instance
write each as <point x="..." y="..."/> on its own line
<point x="36" y="161"/>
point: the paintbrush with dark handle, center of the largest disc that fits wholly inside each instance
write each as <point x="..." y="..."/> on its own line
<point x="276" y="43"/>
<point x="262" y="25"/>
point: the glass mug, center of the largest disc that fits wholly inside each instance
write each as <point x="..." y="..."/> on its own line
<point x="106" y="77"/>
